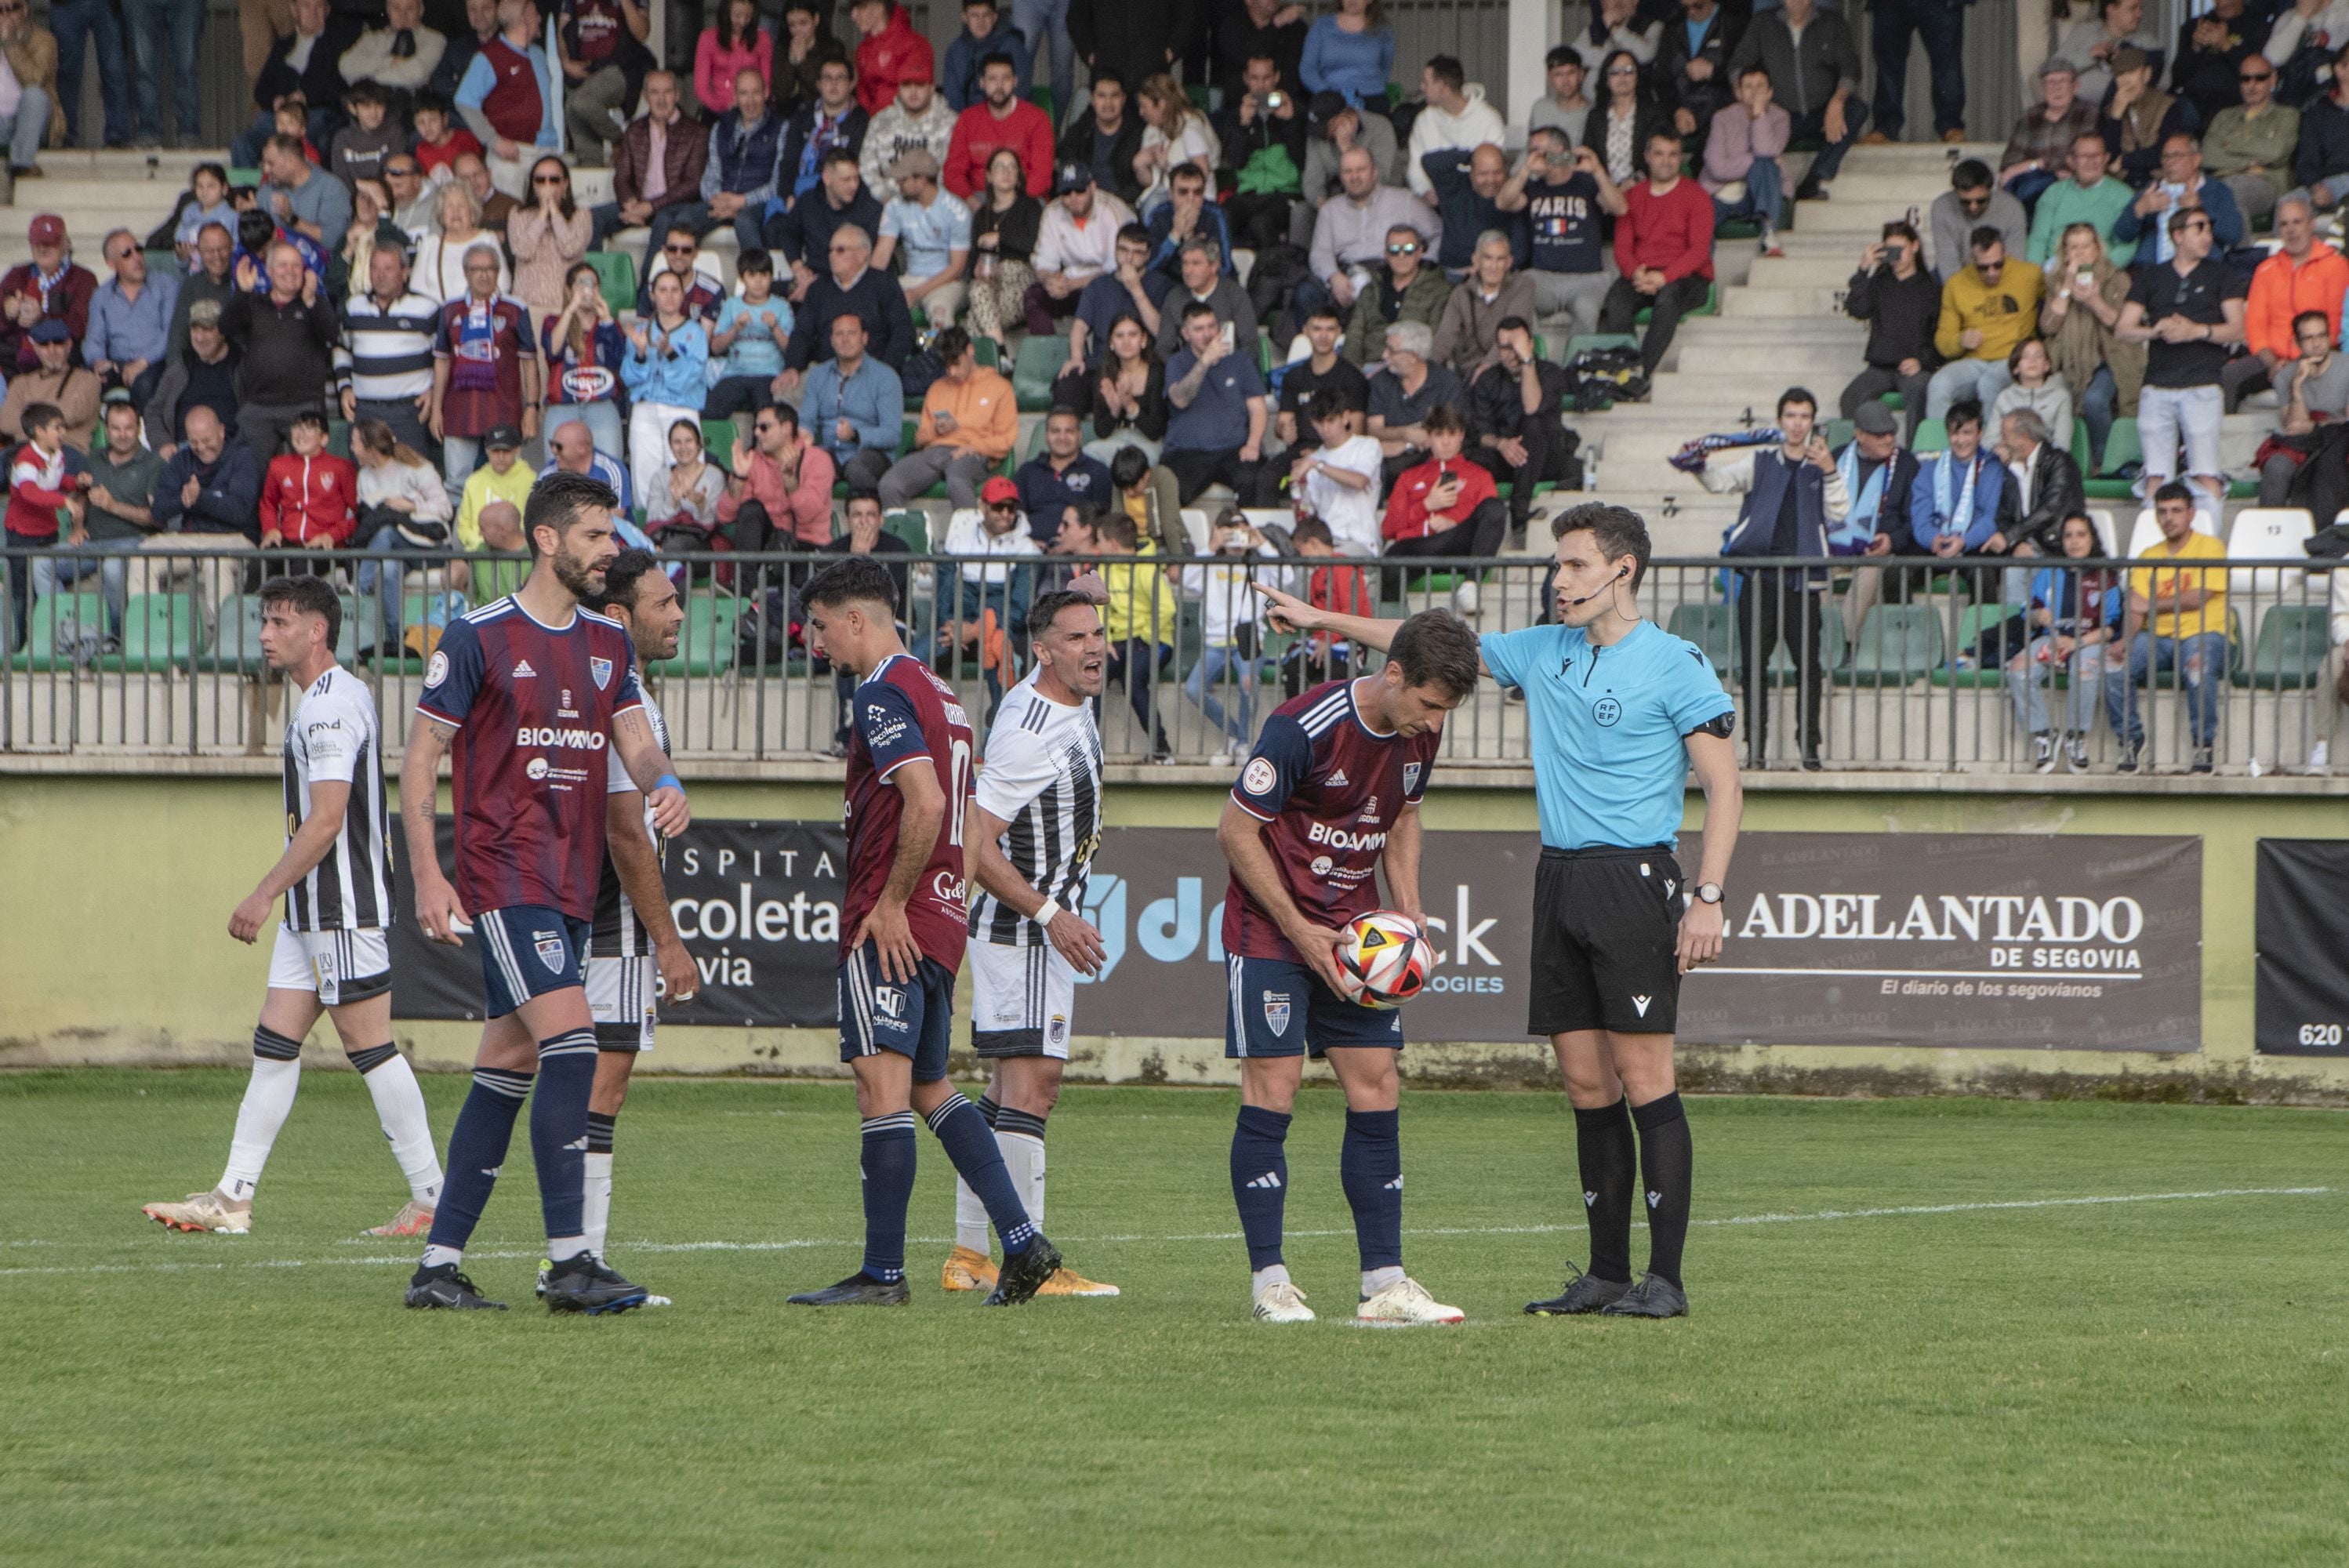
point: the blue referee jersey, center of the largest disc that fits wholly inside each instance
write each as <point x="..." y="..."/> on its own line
<point x="1608" y="728"/>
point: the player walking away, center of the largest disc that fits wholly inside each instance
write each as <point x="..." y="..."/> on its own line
<point x="632" y="936"/>
<point x="1034" y="832"/>
<point x="1331" y="790"/>
<point x="908" y="801"/>
<point x="532" y="689"/>
<point x="1620" y="712"/>
<point x="333" y="953"/>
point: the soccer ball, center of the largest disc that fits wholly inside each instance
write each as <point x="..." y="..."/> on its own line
<point x="1382" y="959"/>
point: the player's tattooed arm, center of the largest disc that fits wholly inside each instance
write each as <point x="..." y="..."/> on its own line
<point x="1239" y="835"/>
<point x="438" y="911"/>
<point x="921" y="818"/>
<point x="639" y="866"/>
<point x="1400" y="863"/>
<point x="1714" y="762"/>
<point x="648" y="764"/>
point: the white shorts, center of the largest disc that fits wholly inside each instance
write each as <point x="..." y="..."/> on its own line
<point x="623" y="999"/>
<point x="1021" y="1000"/>
<point x="339" y="967"/>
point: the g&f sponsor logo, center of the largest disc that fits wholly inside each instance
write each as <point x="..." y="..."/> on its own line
<point x="1321" y="864"/>
<point x="535" y="767"/>
<point x="1259" y="776"/>
<point x="1608" y="712"/>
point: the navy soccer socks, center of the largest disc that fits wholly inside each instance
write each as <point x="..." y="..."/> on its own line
<point x="1609" y="1159"/>
<point x="558" y="1137"/>
<point x="477" y="1147"/>
<point x="1369" y="1168"/>
<point x="1260" y="1181"/>
<point x="887" y="1162"/>
<point x="1666" y="1163"/>
<point x="970" y="1143"/>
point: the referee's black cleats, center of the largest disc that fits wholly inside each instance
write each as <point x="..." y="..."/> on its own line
<point x="1653" y="1296"/>
<point x="1024" y="1273"/>
<point x="584" y="1284"/>
<point x="445" y="1289"/>
<point x="1583" y="1293"/>
<point x="859" y="1289"/>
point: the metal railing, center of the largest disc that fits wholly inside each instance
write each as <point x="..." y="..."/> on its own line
<point x="155" y="652"/>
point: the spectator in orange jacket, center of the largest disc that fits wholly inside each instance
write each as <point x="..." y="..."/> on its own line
<point x="310" y="498"/>
<point x="890" y="52"/>
<point x="1001" y="119"/>
<point x="2305" y="274"/>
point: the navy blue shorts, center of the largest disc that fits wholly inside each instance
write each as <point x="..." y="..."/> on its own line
<point x="528" y="950"/>
<point x="1279" y="1009"/>
<point x="879" y="1015"/>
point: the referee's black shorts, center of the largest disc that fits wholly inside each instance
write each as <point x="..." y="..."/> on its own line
<point x="1606" y="930"/>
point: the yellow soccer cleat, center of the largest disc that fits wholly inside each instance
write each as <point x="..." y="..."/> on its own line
<point x="967" y="1270"/>
<point x="1067" y="1281"/>
<point x="202" y="1211"/>
<point x="415" y="1220"/>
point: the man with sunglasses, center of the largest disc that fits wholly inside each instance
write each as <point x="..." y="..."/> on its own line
<point x="1410" y="290"/>
<point x="1973" y="200"/>
<point x="2249" y="146"/>
<point x="1986" y="310"/>
<point x="703" y="297"/>
<point x="2187" y="312"/>
<point x="2213" y="50"/>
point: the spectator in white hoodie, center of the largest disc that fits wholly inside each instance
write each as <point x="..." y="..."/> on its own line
<point x="918" y="119"/>
<point x="1456" y="118"/>
<point x="1231" y="629"/>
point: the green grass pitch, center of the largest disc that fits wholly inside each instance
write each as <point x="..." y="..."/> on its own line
<point x="2163" y="1380"/>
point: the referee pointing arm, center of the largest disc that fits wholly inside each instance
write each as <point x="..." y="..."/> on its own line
<point x="1622" y="712"/>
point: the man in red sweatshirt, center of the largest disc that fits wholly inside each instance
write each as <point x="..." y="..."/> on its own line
<point x="889" y="52"/>
<point x="1663" y="244"/>
<point x="310" y="498"/>
<point x="1446" y="507"/>
<point x="1001" y="119"/>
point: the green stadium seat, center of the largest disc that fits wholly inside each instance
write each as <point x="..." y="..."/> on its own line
<point x="1035" y="443"/>
<point x="2289" y="653"/>
<point x="1838" y="434"/>
<point x="164" y="264"/>
<point x="1899" y="645"/>
<point x="1041" y="96"/>
<point x="339" y="437"/>
<point x="1831" y="648"/>
<point x="616" y="270"/>
<point x="705" y="643"/>
<point x="1972" y="622"/>
<point x="913" y="527"/>
<point x="1932" y="436"/>
<point x="237" y="646"/>
<point x="1038" y="367"/>
<point x="2122" y="447"/>
<point x="237" y="177"/>
<point x="989" y="355"/>
<point x="1713" y="628"/>
<point x="85" y="607"/>
<point x="362" y="626"/>
<point x="1712" y="306"/>
<point x="160" y="632"/>
<point x="1894" y="401"/>
<point x="717" y="439"/>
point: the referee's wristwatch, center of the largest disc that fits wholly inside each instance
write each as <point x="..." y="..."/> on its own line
<point x="1707" y="892"/>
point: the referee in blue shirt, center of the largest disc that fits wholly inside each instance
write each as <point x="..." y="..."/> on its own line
<point x="1620" y="712"/>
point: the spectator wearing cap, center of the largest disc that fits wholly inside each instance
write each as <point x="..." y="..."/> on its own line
<point x="2095" y="42"/>
<point x="2320" y="164"/>
<point x="1332" y="125"/>
<point x="507" y="98"/>
<point x="1105" y="137"/>
<point x="51" y="286"/>
<point x="991" y="578"/>
<point x="1001" y="119"/>
<point x="31" y="55"/>
<point x="1663" y="247"/>
<point x="1901" y="304"/>
<point x="1075" y="243"/>
<point x="830" y="123"/>
<point x="919" y="121"/>
<point x="658" y="165"/>
<point x="503" y="476"/>
<point x="931" y="230"/>
<point x="1354" y="230"/>
<point x="984" y="31"/>
<point x="207" y="373"/>
<point x="2089" y="195"/>
<point x="1203" y="281"/>
<point x="486" y="371"/>
<point x="1813" y="69"/>
<point x="56" y="380"/>
<point x="2041" y="144"/>
<point x="802" y="238"/>
<point x="2138" y="117"/>
<point x="852" y="285"/>
<point x="1973" y="199"/>
<point x="1878" y="472"/>
<point x="209" y="278"/>
<point x="130" y="321"/>
<point x="854" y="404"/>
<point x="969" y="420"/>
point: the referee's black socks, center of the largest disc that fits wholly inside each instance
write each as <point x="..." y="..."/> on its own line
<point x="1666" y="1160"/>
<point x="1610" y="1169"/>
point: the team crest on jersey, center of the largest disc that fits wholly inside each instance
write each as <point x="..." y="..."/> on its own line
<point x="1058" y="1031"/>
<point x="1276" y="1011"/>
<point x="549" y="949"/>
<point x="1409" y="776"/>
<point x="601" y="669"/>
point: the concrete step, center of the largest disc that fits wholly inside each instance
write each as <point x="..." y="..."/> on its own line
<point x="1726" y="367"/>
<point x="1819" y="299"/>
<point x="1820" y="220"/>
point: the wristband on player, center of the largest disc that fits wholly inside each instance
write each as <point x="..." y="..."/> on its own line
<point x="1048" y="912"/>
<point x="671" y="780"/>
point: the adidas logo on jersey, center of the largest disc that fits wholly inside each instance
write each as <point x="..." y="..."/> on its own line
<point x="1338" y="778"/>
<point x="1269" y="1179"/>
<point x="522" y="668"/>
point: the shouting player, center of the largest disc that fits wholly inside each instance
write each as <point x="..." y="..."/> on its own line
<point x="332" y="952"/>
<point x="632" y="934"/>
<point x="531" y="689"/>
<point x="1034" y="832"/>
<point x="908" y="801"/>
<point x="1332" y="788"/>
<point x="1620" y="713"/>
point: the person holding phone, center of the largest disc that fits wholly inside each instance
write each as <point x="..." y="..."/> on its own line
<point x="1902" y="303"/>
<point x="1566" y="195"/>
<point x="1204" y="283"/>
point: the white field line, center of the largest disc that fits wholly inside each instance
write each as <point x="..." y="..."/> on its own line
<point x="404" y="1259"/>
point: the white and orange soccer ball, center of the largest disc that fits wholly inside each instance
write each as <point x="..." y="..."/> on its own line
<point x="1383" y="960"/>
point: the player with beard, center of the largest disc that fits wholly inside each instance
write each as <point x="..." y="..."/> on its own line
<point x="532" y="689"/>
<point x="1034" y="828"/>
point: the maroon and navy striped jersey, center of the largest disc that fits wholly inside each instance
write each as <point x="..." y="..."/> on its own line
<point x="1328" y="788"/>
<point x="905" y="715"/>
<point x="533" y="706"/>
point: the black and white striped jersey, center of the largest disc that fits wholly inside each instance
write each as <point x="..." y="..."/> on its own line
<point x="617" y="932"/>
<point x="332" y="738"/>
<point x="1043" y="776"/>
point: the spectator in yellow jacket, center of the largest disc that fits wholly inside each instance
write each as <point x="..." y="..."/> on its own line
<point x="1986" y="309"/>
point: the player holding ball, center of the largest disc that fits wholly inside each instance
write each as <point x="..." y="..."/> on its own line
<point x="1331" y="790"/>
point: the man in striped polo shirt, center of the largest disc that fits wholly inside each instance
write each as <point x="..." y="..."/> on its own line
<point x="383" y="366"/>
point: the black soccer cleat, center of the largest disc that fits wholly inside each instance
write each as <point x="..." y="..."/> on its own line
<point x="1653" y="1296"/>
<point x="859" y="1289"/>
<point x="584" y="1284"/>
<point x="1024" y="1273"/>
<point x="445" y="1289"/>
<point x="1583" y="1293"/>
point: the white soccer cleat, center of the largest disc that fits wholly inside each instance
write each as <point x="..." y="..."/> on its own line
<point x="202" y="1211"/>
<point x="415" y="1220"/>
<point x="1405" y="1305"/>
<point x="1283" y="1302"/>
